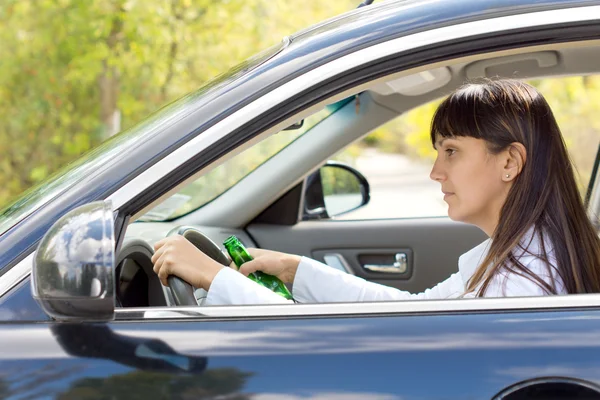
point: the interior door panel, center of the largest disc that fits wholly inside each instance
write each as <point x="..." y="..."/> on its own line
<point x="371" y="263"/>
<point x="431" y="247"/>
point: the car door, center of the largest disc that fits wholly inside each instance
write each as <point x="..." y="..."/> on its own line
<point x="409" y="254"/>
<point x="471" y="349"/>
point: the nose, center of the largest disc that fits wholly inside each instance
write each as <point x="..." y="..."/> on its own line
<point x="437" y="173"/>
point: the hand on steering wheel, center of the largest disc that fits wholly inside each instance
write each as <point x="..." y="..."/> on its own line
<point x="182" y="289"/>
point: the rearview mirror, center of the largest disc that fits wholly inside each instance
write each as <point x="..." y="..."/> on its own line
<point x="73" y="266"/>
<point x="335" y="189"/>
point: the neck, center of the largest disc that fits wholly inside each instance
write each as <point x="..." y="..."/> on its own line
<point x="488" y="223"/>
<point x="489" y="229"/>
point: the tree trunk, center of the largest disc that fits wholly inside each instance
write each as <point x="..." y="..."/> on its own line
<point x="109" y="91"/>
<point x="109" y="78"/>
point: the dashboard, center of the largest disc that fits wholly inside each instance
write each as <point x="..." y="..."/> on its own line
<point x="136" y="283"/>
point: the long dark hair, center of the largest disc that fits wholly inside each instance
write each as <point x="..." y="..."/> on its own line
<point x="544" y="196"/>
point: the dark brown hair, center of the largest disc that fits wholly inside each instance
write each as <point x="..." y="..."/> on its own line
<point x="544" y="196"/>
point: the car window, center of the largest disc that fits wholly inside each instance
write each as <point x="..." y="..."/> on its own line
<point x="397" y="157"/>
<point x="211" y="185"/>
<point x="94" y="160"/>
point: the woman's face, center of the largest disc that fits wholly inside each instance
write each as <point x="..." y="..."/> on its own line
<point x="471" y="180"/>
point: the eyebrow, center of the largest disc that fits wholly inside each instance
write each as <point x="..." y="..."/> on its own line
<point x="439" y="143"/>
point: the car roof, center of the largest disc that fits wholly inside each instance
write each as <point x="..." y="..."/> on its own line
<point x="404" y="15"/>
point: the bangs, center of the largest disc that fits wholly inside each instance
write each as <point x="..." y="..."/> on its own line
<point x="460" y="115"/>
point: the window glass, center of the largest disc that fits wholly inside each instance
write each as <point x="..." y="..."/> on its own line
<point x="36" y="196"/>
<point x="210" y="186"/>
<point x="397" y="157"/>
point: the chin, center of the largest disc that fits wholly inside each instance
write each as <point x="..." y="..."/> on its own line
<point x="456" y="216"/>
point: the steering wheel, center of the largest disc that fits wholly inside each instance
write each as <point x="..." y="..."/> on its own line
<point x="183" y="292"/>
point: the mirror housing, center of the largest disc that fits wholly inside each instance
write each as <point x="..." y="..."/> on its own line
<point x="73" y="266"/>
<point x="336" y="188"/>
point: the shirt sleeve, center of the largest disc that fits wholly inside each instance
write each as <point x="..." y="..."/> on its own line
<point x="229" y="287"/>
<point x="318" y="283"/>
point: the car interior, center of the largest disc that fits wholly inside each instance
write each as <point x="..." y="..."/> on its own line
<point x="267" y="208"/>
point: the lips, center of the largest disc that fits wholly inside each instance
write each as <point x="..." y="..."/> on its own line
<point x="447" y="194"/>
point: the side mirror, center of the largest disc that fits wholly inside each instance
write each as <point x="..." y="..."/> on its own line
<point x="335" y="189"/>
<point x="73" y="266"/>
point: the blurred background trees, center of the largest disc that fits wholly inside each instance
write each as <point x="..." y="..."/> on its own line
<point x="74" y="72"/>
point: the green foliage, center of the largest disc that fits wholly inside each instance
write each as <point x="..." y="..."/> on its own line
<point x="575" y="102"/>
<point x="336" y="180"/>
<point x="74" y="72"/>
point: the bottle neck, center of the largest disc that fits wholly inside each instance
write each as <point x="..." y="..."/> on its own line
<point x="239" y="255"/>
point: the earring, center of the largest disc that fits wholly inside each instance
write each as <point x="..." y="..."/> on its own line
<point x="507" y="175"/>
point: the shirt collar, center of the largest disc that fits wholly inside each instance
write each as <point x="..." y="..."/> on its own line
<point x="468" y="262"/>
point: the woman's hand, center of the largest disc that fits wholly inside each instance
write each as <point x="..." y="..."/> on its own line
<point x="175" y="255"/>
<point x="281" y="265"/>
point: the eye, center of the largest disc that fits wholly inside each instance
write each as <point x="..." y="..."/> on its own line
<point x="450" y="151"/>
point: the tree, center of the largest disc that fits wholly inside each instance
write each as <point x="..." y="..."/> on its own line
<point x="75" y="72"/>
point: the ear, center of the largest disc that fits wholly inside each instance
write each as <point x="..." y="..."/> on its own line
<point x="513" y="161"/>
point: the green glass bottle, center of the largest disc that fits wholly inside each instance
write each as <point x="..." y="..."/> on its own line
<point x="240" y="255"/>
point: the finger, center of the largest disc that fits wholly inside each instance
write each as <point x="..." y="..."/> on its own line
<point x="163" y="275"/>
<point x="165" y="269"/>
<point x="157" y="254"/>
<point x="161" y="243"/>
<point x="253" y="251"/>
<point x="249" y="267"/>
<point x="160" y="267"/>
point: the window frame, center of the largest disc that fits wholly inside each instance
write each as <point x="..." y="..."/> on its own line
<point x="365" y="309"/>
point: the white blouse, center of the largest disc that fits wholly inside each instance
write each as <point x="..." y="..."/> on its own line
<point x="318" y="283"/>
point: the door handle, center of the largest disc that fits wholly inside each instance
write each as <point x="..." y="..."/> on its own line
<point x="398" y="267"/>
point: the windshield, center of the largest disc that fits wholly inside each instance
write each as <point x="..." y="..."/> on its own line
<point x="96" y="160"/>
<point x="219" y="180"/>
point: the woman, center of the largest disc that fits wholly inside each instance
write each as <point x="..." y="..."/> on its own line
<point x="503" y="166"/>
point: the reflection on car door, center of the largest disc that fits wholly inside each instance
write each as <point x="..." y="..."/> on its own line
<point x="399" y="356"/>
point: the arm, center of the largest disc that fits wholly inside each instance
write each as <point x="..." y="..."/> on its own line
<point x="317" y="282"/>
<point x="175" y="255"/>
<point x="229" y="287"/>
